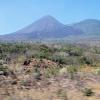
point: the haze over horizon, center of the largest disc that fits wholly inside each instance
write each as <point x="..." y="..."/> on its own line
<point x="16" y="14"/>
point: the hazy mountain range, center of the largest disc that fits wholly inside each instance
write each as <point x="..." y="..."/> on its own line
<point x="88" y="26"/>
<point x="48" y="27"/>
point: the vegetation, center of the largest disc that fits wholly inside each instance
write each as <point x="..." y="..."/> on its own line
<point x="72" y="70"/>
<point x="36" y="68"/>
<point x="88" y="92"/>
<point x="51" y="71"/>
<point x="62" y="94"/>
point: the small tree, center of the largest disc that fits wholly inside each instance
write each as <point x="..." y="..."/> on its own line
<point x="72" y="70"/>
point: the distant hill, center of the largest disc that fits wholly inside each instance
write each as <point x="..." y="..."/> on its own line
<point x="45" y="27"/>
<point x="48" y="27"/>
<point x="89" y="26"/>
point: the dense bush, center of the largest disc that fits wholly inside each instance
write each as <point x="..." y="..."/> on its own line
<point x="87" y="60"/>
<point x="88" y="92"/>
<point x="51" y="71"/>
<point x="3" y="67"/>
<point x="20" y="51"/>
<point x="75" y="52"/>
<point x="59" y="59"/>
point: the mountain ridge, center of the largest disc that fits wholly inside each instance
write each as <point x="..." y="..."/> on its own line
<point x="45" y="27"/>
<point x="49" y="27"/>
<point x="88" y="26"/>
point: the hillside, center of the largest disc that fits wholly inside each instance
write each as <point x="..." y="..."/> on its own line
<point x="35" y="71"/>
<point x="45" y="27"/>
<point x="89" y="26"/>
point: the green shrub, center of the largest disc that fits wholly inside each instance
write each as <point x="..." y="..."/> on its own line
<point x="87" y="60"/>
<point x="72" y="70"/>
<point x="59" y="59"/>
<point x="88" y="92"/>
<point x="97" y="71"/>
<point x="2" y="67"/>
<point x="62" y="94"/>
<point x="75" y="52"/>
<point x="51" y="71"/>
<point x="36" y="73"/>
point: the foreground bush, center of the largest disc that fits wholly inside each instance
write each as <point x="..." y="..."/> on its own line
<point x="72" y="70"/>
<point x="88" y="92"/>
<point x="51" y="71"/>
<point x="62" y="94"/>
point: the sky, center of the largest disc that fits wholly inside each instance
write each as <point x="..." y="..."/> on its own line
<point x="16" y="14"/>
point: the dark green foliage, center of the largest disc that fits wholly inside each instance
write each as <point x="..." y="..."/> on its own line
<point x="59" y="59"/>
<point x="69" y="54"/>
<point x="88" y="92"/>
<point x="2" y="67"/>
<point x="72" y="50"/>
<point x="75" y="53"/>
<point x="16" y="49"/>
<point x="87" y="60"/>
